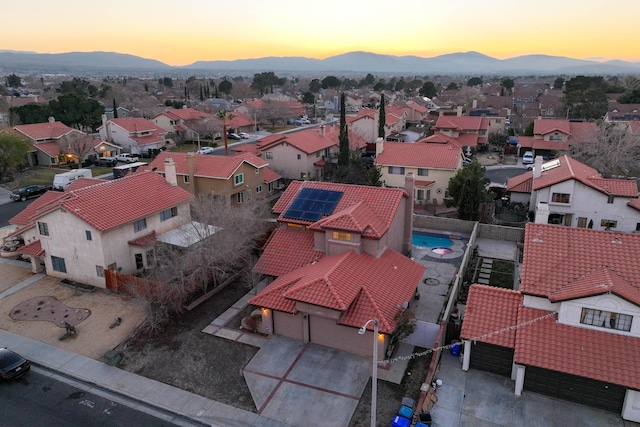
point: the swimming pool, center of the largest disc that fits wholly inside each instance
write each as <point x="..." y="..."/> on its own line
<point x="430" y="240"/>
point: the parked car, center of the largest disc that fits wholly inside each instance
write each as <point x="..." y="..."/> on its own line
<point x="127" y="158"/>
<point x="234" y="136"/>
<point x="205" y="150"/>
<point x="244" y="135"/>
<point x="12" y="365"/>
<point x="527" y="158"/>
<point x="28" y="192"/>
<point x="106" y="161"/>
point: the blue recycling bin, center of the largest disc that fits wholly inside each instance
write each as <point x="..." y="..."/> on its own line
<point x="455" y="348"/>
<point x="405" y="412"/>
<point x="399" y="421"/>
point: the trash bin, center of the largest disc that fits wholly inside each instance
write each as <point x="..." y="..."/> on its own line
<point x="405" y="412"/>
<point x="455" y="348"/>
<point x="399" y="421"/>
<point x="424" y="419"/>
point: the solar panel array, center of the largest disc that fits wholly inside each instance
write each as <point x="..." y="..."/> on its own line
<point x="311" y="204"/>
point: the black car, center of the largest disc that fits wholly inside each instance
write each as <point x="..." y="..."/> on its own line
<point x="28" y="192"/>
<point x="12" y="365"/>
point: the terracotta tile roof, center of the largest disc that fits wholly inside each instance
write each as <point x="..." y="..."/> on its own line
<point x="462" y="123"/>
<point x="245" y="148"/>
<point x="52" y="149"/>
<point x="421" y="183"/>
<point x="136" y="195"/>
<point x="33" y="248"/>
<point x="604" y="281"/>
<point x="491" y="309"/>
<point x="207" y="166"/>
<point x="556" y="256"/>
<point x="569" y="168"/>
<point x="135" y="124"/>
<point x="358" y="285"/>
<point x="440" y="138"/>
<point x="269" y="175"/>
<point x="44" y="131"/>
<point x="599" y="355"/>
<point x="522" y="183"/>
<point x="431" y="156"/>
<point x="384" y="202"/>
<point x="333" y="133"/>
<point x="39" y="205"/>
<point x="146" y="240"/>
<point x="358" y="218"/>
<point x="545" y="126"/>
<point x="185" y="114"/>
<point x="308" y="141"/>
<point x="83" y="182"/>
<point x="635" y="204"/>
<point x="287" y="249"/>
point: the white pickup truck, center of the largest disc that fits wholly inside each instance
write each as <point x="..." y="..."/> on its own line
<point x="127" y="158"/>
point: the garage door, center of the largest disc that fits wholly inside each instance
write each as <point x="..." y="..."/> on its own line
<point x="287" y="325"/>
<point x="327" y="332"/>
<point x="492" y="358"/>
<point x="585" y="391"/>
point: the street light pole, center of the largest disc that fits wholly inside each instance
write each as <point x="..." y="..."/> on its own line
<point x="374" y="368"/>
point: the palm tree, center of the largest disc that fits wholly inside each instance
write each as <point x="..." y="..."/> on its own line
<point x="224" y="115"/>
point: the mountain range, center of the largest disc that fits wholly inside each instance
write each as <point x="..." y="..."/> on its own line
<point x="461" y="63"/>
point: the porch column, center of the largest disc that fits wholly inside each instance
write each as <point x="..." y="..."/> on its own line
<point x="466" y="356"/>
<point x="519" y="379"/>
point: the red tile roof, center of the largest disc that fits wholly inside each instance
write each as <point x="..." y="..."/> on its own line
<point x="207" y="165"/>
<point x="462" y="123"/>
<point x="44" y="131"/>
<point x="146" y="240"/>
<point x="186" y="114"/>
<point x="599" y="355"/>
<point x="269" y="175"/>
<point x="384" y="202"/>
<point x="358" y="285"/>
<point x="52" y="149"/>
<point x="522" y="183"/>
<point x="556" y="256"/>
<point x="358" y="218"/>
<point x="288" y="248"/>
<point x="308" y="141"/>
<point x="569" y="168"/>
<point x="491" y="309"/>
<point x="33" y="248"/>
<point x="431" y="156"/>
<point x="605" y="281"/>
<point x="42" y="203"/>
<point x="545" y="126"/>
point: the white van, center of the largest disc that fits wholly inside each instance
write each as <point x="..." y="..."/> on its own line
<point x="62" y="180"/>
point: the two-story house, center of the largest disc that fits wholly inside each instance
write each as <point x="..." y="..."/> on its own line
<point x="433" y="165"/>
<point x="185" y="122"/>
<point x="567" y="192"/>
<point x="304" y="155"/>
<point x="336" y="260"/>
<point x="133" y="134"/>
<point x="468" y="131"/>
<point x="552" y="136"/>
<point x="236" y="179"/>
<point x="572" y="330"/>
<point x="110" y="225"/>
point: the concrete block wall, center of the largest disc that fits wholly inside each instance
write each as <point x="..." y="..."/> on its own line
<point x="499" y="232"/>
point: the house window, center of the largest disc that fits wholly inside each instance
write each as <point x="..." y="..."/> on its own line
<point x="396" y="170"/>
<point x="259" y="189"/>
<point x="150" y="261"/>
<point x="268" y="155"/>
<point x="99" y="271"/>
<point x="610" y="199"/>
<point x="341" y="235"/>
<point x="606" y="319"/>
<point x="43" y="228"/>
<point x="140" y="224"/>
<point x="238" y="179"/>
<point x="271" y="187"/>
<point x="58" y="264"/>
<point x="637" y="226"/>
<point x="139" y="264"/>
<point x="607" y="223"/>
<point x="299" y="156"/>
<point x="168" y="213"/>
<point x="87" y="233"/>
<point x="560" y="198"/>
<point x="318" y="154"/>
<point x="240" y="197"/>
<point x="185" y="178"/>
<point x="423" y="172"/>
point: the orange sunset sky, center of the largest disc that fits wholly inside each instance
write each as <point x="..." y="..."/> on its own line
<point x="182" y="32"/>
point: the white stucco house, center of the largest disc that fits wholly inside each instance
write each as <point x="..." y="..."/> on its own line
<point x="135" y="135"/>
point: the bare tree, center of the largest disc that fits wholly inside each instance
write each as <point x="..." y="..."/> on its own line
<point x="612" y="150"/>
<point x="466" y="95"/>
<point x="273" y="112"/>
<point x="76" y="144"/>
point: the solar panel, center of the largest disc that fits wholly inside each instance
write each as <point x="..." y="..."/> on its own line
<point x="311" y="204"/>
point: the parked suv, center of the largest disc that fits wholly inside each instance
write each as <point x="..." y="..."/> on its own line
<point x="28" y="192"/>
<point x="527" y="158"/>
<point x="106" y="161"/>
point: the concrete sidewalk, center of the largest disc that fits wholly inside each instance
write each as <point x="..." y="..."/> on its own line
<point x="153" y="393"/>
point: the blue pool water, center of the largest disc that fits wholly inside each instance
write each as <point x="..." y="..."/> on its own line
<point x="430" y="240"/>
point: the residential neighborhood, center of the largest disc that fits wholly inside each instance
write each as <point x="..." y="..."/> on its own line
<point x="334" y="245"/>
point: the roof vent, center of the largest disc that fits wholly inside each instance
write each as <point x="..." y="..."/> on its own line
<point x="616" y="241"/>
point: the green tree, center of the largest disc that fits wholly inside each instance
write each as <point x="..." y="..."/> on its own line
<point x="225" y="86"/>
<point x="632" y="97"/>
<point x="585" y="97"/>
<point x="77" y="86"/>
<point x="14" y="81"/>
<point x="330" y="82"/>
<point x="308" y="98"/>
<point x="467" y="190"/>
<point x="429" y="90"/>
<point x="77" y="111"/>
<point x="474" y="81"/>
<point x="528" y="131"/>
<point x="508" y="84"/>
<point x="315" y="86"/>
<point x="265" y="82"/>
<point x="452" y="86"/>
<point x="146" y="87"/>
<point x="115" y="109"/>
<point x="382" y="119"/>
<point x="29" y="114"/>
<point x="343" y="157"/>
<point x="369" y="79"/>
<point x="400" y="85"/>
<point x="166" y="81"/>
<point x="13" y="150"/>
<point x="558" y="83"/>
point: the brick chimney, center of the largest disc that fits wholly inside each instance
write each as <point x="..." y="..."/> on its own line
<point x="170" y="171"/>
<point x="409" y="186"/>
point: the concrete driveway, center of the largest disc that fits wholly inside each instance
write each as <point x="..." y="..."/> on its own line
<point x="296" y="382"/>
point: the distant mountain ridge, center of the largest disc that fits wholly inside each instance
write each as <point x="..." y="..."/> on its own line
<point x="460" y="63"/>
